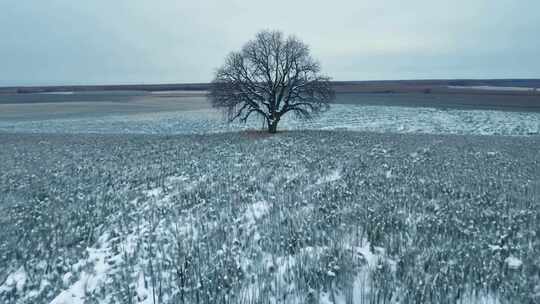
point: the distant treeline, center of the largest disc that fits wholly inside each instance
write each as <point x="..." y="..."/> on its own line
<point x="533" y="83"/>
<point x="437" y="86"/>
<point x="376" y="86"/>
<point x="123" y="87"/>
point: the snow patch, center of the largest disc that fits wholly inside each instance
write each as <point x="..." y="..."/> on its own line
<point x="175" y="92"/>
<point x="89" y="281"/>
<point x="332" y="177"/>
<point x="156" y="192"/>
<point x="379" y="119"/>
<point x="58" y="93"/>
<point x="142" y="291"/>
<point x="256" y="211"/>
<point x="15" y="281"/>
<point x="513" y="262"/>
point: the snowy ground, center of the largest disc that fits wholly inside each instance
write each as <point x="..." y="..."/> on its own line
<point x="299" y="217"/>
<point x="166" y="207"/>
<point x="341" y="117"/>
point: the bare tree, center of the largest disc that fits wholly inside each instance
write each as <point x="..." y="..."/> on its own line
<point x="270" y="77"/>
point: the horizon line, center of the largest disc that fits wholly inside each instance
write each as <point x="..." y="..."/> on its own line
<point x="208" y="83"/>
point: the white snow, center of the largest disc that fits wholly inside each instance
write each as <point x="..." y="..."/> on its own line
<point x="513" y="262"/>
<point x="175" y="179"/>
<point x="340" y="117"/>
<point x="89" y="281"/>
<point x="481" y="298"/>
<point x="156" y="192"/>
<point x="16" y="280"/>
<point x="58" y="93"/>
<point x="333" y="176"/>
<point x="141" y="289"/>
<point x="256" y="211"/>
<point x="173" y="92"/>
<point x="495" y="247"/>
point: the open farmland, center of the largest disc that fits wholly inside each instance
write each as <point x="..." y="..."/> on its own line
<point x="300" y="217"/>
<point x="134" y="197"/>
<point x="188" y="119"/>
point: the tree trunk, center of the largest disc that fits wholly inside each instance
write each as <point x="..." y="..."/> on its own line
<point x="272" y="126"/>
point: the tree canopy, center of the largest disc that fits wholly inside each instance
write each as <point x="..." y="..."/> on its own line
<point x="270" y="77"/>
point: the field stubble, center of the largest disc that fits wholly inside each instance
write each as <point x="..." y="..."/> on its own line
<point x="299" y="217"/>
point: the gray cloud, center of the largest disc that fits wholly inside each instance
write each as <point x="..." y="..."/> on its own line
<point x="132" y="41"/>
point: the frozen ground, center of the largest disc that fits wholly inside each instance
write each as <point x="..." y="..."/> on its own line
<point x="299" y="217"/>
<point x="381" y="119"/>
<point x="151" y="202"/>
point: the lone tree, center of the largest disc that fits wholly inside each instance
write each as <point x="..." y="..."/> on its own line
<point x="270" y="77"/>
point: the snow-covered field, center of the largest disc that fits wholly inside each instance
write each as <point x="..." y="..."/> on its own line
<point x="166" y="207"/>
<point x="341" y="117"/>
<point x="299" y="217"/>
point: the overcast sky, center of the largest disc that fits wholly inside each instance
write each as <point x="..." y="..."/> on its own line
<point x="168" y="41"/>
